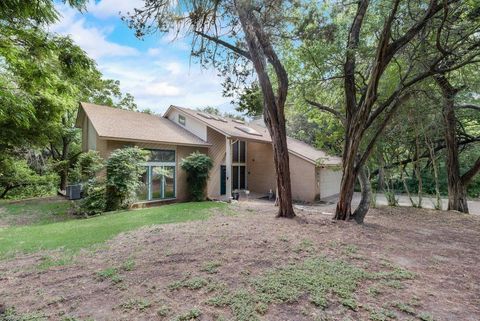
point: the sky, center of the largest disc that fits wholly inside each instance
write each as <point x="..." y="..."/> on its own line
<point x="156" y="71"/>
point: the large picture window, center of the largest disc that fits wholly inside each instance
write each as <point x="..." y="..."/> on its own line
<point x="159" y="176"/>
<point x="239" y="159"/>
<point x="239" y="152"/>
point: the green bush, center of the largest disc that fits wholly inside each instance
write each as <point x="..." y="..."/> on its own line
<point x="87" y="167"/>
<point x="124" y="169"/>
<point x="197" y="166"/>
<point x="94" y="201"/>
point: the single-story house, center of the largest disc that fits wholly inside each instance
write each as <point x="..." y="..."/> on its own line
<point x="241" y="152"/>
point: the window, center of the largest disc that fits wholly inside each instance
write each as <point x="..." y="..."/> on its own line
<point x="239" y="152"/>
<point x="239" y="158"/>
<point x="159" y="176"/>
<point x="162" y="156"/>
<point x="238" y="177"/>
<point x="182" y="120"/>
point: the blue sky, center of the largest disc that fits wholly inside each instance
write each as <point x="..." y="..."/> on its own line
<point x="156" y="70"/>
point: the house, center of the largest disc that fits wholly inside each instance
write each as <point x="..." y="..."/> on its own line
<point x="241" y="152"/>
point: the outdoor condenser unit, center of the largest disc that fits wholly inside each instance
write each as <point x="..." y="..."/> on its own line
<point x="74" y="191"/>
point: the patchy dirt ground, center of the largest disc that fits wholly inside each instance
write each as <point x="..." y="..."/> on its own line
<point x="178" y="271"/>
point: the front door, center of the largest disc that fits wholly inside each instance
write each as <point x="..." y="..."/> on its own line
<point x="223" y="180"/>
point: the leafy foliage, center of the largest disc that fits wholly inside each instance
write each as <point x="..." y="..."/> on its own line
<point x="124" y="169"/>
<point x="88" y="165"/>
<point x="197" y="166"/>
<point x="15" y="173"/>
<point x="250" y="102"/>
<point x="94" y="200"/>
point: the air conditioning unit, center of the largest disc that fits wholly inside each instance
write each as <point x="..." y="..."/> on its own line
<point x="74" y="192"/>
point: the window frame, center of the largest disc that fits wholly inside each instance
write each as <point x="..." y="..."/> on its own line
<point x="149" y="165"/>
<point x="182" y="120"/>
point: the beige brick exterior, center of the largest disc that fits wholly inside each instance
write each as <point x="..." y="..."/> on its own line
<point x="261" y="173"/>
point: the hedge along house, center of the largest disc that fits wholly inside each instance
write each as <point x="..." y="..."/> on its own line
<point x="241" y="152"/>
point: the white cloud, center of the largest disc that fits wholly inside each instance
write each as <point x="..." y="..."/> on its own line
<point x="157" y="77"/>
<point x="92" y="39"/>
<point x="112" y="8"/>
<point x="162" y="89"/>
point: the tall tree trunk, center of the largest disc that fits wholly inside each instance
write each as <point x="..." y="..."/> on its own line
<point x="457" y="192"/>
<point x="261" y="52"/>
<point x="349" y="177"/>
<point x="364" y="206"/>
<point x="64" y="157"/>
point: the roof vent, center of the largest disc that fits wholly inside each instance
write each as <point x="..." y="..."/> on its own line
<point x="238" y="121"/>
<point x="248" y="130"/>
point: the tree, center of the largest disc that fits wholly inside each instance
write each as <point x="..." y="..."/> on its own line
<point x="40" y="93"/>
<point x="213" y="24"/>
<point x="37" y="11"/>
<point x="375" y="86"/>
<point x="457" y="183"/>
<point x="16" y="173"/>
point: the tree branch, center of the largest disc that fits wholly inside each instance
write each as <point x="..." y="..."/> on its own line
<point x="470" y="174"/>
<point x="425" y="155"/>
<point x="225" y="44"/>
<point x="350" y="62"/>
<point x="468" y="106"/>
<point x="399" y="101"/>
<point x="332" y="111"/>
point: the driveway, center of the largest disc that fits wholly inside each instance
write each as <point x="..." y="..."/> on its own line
<point x="428" y="202"/>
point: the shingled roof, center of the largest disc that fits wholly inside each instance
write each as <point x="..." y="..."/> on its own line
<point x="232" y="128"/>
<point x="120" y="124"/>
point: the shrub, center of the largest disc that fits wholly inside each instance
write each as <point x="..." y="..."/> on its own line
<point x="197" y="166"/>
<point x="94" y="198"/>
<point x="87" y="167"/>
<point x="124" y="168"/>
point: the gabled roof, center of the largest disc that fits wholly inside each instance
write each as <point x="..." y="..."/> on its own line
<point x="120" y="124"/>
<point x="311" y="154"/>
<point x="231" y="128"/>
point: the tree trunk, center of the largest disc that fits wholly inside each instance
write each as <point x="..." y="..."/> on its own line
<point x="457" y="194"/>
<point x="5" y="191"/>
<point x="260" y="52"/>
<point x="364" y="206"/>
<point x="349" y="176"/>
<point x="64" y="171"/>
<point x="282" y="167"/>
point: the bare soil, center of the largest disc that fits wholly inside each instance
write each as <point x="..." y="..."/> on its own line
<point x="440" y="248"/>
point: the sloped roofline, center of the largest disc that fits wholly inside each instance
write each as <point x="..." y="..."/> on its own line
<point x="180" y="109"/>
<point x="82" y="113"/>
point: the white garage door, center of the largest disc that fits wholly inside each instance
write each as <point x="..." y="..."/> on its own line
<point x="329" y="182"/>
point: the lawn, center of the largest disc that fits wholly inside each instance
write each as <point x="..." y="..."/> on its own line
<point x="81" y="233"/>
<point x="403" y="264"/>
<point x="35" y="211"/>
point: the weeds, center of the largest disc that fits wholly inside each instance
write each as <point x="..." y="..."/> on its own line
<point x="211" y="267"/>
<point x="194" y="283"/>
<point x="110" y="273"/>
<point x="192" y="314"/>
<point x="135" y="304"/>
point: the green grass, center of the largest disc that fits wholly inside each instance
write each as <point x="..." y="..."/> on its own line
<point x="34" y="212"/>
<point x="77" y="234"/>
<point x="322" y="281"/>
